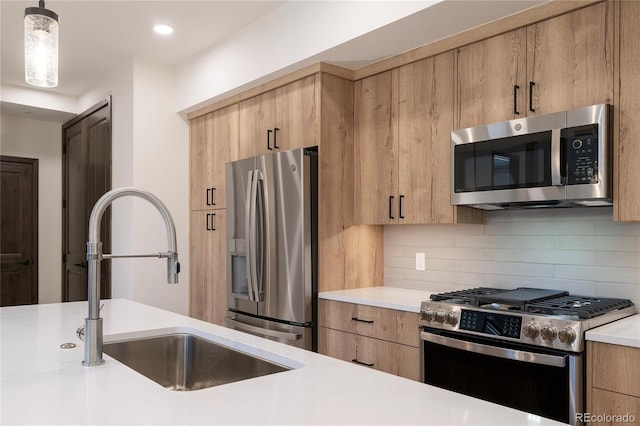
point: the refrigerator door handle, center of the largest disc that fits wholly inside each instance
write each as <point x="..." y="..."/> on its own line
<point x="250" y="233"/>
<point x="262" y="331"/>
<point x="261" y="240"/>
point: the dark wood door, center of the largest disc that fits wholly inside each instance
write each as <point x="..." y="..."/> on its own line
<point x="86" y="177"/>
<point x="19" y="231"/>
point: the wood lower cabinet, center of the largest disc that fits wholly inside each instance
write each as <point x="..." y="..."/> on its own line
<point x="208" y="260"/>
<point x="403" y="123"/>
<point x="384" y="339"/>
<point x="613" y="381"/>
<point x="557" y="64"/>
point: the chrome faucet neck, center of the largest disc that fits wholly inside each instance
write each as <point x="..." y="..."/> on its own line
<point x="93" y="322"/>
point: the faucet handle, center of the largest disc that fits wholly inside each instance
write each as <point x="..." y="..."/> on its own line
<point x="80" y="333"/>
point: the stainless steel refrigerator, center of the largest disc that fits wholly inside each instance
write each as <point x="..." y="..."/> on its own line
<point x="272" y="246"/>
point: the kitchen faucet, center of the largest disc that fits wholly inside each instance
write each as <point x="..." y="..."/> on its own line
<point x="93" y="324"/>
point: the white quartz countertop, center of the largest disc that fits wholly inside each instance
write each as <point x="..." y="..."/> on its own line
<point x="41" y="383"/>
<point x="383" y="297"/>
<point x="625" y="332"/>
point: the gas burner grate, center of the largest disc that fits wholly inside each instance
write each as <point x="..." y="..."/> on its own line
<point x="469" y="296"/>
<point x="581" y="306"/>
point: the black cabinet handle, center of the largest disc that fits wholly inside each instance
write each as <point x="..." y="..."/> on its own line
<point x="82" y="264"/>
<point x="531" y="84"/>
<point x="400" y="215"/>
<point x="211" y="224"/>
<point x="515" y="99"/>
<point x="25" y="262"/>
<point x="361" y="320"/>
<point x="366" y="364"/>
<point x="210" y="201"/>
<point x="391" y="207"/>
<point x="275" y="138"/>
<point x="269" y="139"/>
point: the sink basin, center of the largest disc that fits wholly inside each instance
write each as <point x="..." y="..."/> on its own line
<point x="183" y="361"/>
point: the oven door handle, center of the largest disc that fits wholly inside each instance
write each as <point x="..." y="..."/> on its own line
<point x="524" y="356"/>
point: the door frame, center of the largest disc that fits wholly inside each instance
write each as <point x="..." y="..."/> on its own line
<point x="104" y="103"/>
<point x="34" y="229"/>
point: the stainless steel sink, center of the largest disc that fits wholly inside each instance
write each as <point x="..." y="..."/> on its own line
<point x="186" y="362"/>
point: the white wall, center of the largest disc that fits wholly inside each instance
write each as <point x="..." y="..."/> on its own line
<point x="579" y="250"/>
<point x="281" y="41"/>
<point x="160" y="165"/>
<point x="20" y="137"/>
<point x="150" y="151"/>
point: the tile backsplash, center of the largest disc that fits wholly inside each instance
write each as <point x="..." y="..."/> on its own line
<point x="579" y="249"/>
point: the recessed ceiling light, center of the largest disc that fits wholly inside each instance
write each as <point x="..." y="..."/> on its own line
<point x="163" y="29"/>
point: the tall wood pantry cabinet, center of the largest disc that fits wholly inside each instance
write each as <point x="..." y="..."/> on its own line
<point x="213" y="137"/>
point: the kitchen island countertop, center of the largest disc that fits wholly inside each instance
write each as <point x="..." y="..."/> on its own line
<point x="41" y="383"/>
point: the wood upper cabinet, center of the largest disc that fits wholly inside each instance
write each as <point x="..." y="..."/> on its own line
<point x="208" y="266"/>
<point x="212" y="137"/>
<point x="403" y="122"/>
<point x="561" y="63"/>
<point x="626" y="203"/>
<point x="281" y="119"/>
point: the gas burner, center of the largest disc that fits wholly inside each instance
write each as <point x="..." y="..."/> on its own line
<point x="581" y="306"/>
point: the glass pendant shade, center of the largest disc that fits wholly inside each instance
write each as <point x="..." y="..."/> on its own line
<point x="41" y="46"/>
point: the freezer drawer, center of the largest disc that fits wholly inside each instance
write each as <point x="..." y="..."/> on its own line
<point x="301" y="337"/>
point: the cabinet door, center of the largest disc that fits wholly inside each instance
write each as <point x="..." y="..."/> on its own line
<point x="208" y="266"/>
<point x="201" y="162"/>
<point x="297" y="120"/>
<point x="376" y="149"/>
<point x="570" y="60"/>
<point x="626" y="206"/>
<point x="257" y="116"/>
<point x="425" y="121"/>
<point x="212" y="137"/>
<point x="491" y="78"/>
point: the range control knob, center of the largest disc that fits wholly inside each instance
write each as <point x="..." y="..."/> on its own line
<point x="440" y="316"/>
<point x="531" y="330"/>
<point x="452" y="318"/>
<point x="567" y="335"/>
<point x="549" y="333"/>
<point x="427" y="314"/>
<point x="577" y="144"/>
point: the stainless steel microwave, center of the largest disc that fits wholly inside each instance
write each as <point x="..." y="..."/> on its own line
<point x="553" y="160"/>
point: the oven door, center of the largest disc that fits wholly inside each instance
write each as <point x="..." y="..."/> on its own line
<point x="543" y="382"/>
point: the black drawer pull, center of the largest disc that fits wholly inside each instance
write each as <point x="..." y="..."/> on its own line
<point x="391" y="207"/>
<point x="361" y="320"/>
<point x="401" y="214"/>
<point x="366" y="364"/>
<point x="275" y="138"/>
<point x="269" y="139"/>
<point x="515" y="99"/>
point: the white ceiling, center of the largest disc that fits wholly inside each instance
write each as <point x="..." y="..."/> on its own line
<point x="97" y="36"/>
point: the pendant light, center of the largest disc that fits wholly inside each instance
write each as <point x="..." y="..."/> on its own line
<point x="41" y="46"/>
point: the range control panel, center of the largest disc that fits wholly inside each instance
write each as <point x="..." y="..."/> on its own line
<point x="491" y="323"/>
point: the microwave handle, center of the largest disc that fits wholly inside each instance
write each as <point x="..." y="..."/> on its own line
<point x="556" y="174"/>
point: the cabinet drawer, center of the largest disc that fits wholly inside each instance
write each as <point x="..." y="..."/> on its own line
<point x="359" y="319"/>
<point x="370" y="321"/>
<point x="613" y="404"/>
<point x="381" y="355"/>
<point x="616" y="368"/>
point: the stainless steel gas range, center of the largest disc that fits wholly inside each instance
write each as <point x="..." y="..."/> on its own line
<point x="522" y="348"/>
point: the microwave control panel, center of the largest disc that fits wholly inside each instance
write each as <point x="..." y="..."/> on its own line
<point x="581" y="154"/>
